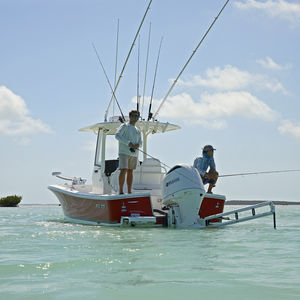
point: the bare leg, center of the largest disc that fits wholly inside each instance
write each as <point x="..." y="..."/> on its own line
<point x="129" y="179"/>
<point x="122" y="180"/>
<point x="213" y="175"/>
<point x="209" y="190"/>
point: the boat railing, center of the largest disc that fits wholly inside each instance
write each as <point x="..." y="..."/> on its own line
<point x="225" y="220"/>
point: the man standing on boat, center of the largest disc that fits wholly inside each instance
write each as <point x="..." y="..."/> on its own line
<point x="202" y="164"/>
<point x="130" y="140"/>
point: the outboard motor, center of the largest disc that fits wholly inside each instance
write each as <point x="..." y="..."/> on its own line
<point x="183" y="192"/>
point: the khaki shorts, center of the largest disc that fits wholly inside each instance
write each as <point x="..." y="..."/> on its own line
<point x="127" y="161"/>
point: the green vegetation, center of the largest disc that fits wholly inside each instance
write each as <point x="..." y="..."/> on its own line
<point x="10" y="201"/>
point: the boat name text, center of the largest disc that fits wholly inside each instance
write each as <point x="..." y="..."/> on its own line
<point x="99" y="205"/>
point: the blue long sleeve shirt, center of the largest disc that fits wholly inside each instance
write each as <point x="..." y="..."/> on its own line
<point x="202" y="163"/>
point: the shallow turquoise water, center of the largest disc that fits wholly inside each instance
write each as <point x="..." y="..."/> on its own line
<point x="43" y="257"/>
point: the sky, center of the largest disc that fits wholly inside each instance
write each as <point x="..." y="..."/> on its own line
<point x="240" y="92"/>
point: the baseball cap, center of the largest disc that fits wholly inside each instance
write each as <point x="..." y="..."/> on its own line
<point x="208" y="148"/>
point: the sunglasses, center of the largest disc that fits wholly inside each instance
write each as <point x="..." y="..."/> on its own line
<point x="134" y="115"/>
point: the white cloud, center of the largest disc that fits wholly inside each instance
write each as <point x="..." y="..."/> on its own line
<point x="276" y="9"/>
<point x="213" y="109"/>
<point x="230" y="97"/>
<point x="289" y="128"/>
<point x="15" y="119"/>
<point x="231" y="78"/>
<point x="270" y="64"/>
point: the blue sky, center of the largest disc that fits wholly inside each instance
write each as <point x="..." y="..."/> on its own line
<point x="240" y="92"/>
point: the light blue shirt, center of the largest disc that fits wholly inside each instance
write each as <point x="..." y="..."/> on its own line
<point x="202" y="163"/>
<point x="128" y="133"/>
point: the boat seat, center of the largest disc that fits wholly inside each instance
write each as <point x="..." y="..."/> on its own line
<point x="147" y="176"/>
<point x="111" y="166"/>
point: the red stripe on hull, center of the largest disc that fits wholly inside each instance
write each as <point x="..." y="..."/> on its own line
<point x="104" y="211"/>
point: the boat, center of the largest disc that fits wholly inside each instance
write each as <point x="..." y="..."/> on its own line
<point x="155" y="190"/>
<point x="162" y="196"/>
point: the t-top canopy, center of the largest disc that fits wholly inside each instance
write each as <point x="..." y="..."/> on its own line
<point x="145" y="127"/>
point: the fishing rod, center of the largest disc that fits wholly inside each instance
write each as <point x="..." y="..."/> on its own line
<point x="229" y="175"/>
<point x="98" y="56"/>
<point x="150" y="105"/>
<point x="116" y="61"/>
<point x="146" y="69"/>
<point x="124" y="66"/>
<point x="256" y="173"/>
<point x="182" y="70"/>
<point x="138" y="80"/>
<point x="226" y="175"/>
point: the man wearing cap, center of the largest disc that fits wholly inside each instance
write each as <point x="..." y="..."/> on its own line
<point x="202" y="164"/>
<point x="130" y="140"/>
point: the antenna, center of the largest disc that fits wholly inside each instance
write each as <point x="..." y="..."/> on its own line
<point x="175" y="81"/>
<point x="121" y="74"/>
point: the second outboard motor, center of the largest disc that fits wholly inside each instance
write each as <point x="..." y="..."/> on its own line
<point x="183" y="192"/>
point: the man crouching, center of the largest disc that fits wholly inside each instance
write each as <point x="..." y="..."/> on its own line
<point x="202" y="164"/>
<point x="130" y="140"/>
